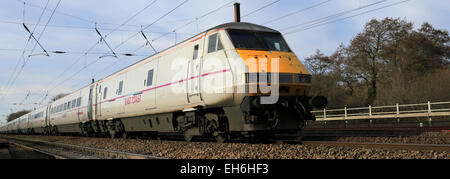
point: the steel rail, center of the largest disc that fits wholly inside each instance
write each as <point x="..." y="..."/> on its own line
<point x="89" y="151"/>
<point x="33" y="149"/>
<point x="396" y="146"/>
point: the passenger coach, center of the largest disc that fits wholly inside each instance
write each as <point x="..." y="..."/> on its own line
<point x="212" y="85"/>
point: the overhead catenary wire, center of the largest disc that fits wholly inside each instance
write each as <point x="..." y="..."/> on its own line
<point x="257" y="10"/>
<point x="148" y="26"/>
<point x="91" y="48"/>
<point x="8" y="86"/>
<point x="37" y="42"/>
<point x="85" y="19"/>
<point x="85" y="54"/>
<point x="296" y="12"/>
<point x="341" y="19"/>
<point x="45" y="28"/>
<point x="333" y="15"/>
<point x="27" y="43"/>
<point x="228" y="4"/>
<point x="75" y="52"/>
<point x="91" y="28"/>
<point x="98" y="42"/>
<point x="160" y="18"/>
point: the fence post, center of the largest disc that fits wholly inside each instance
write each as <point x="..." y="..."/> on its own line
<point x="429" y="115"/>
<point x="324" y="114"/>
<point x="370" y="116"/>
<point x="345" y="117"/>
<point x="398" y="114"/>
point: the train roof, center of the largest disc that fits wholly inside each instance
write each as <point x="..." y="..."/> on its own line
<point x="232" y="25"/>
<point x="244" y="26"/>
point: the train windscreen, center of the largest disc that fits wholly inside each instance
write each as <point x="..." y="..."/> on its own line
<point x="255" y="40"/>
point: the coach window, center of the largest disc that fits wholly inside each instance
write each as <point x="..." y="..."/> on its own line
<point x="150" y="78"/>
<point x="119" y="91"/>
<point x="79" y="102"/>
<point x="104" y="93"/>
<point x="212" y="43"/>
<point x="195" y="52"/>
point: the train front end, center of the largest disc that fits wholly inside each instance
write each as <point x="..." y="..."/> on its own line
<point x="277" y="84"/>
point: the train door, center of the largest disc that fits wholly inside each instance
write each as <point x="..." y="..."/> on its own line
<point x="119" y="102"/>
<point x="150" y="82"/>
<point x="90" y="108"/>
<point x="218" y="86"/>
<point x="99" y="95"/>
<point x="194" y="76"/>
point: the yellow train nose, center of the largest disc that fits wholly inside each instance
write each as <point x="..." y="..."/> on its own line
<point x="293" y="78"/>
<point x="263" y="61"/>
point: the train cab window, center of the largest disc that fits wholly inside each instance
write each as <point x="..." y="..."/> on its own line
<point x="74" y="103"/>
<point x="212" y="43"/>
<point x="255" y="40"/>
<point x="150" y="78"/>
<point x="219" y="44"/>
<point x="195" y="52"/>
<point x="79" y="102"/>
<point x="69" y="105"/>
<point x="105" y="92"/>
<point x="119" y="91"/>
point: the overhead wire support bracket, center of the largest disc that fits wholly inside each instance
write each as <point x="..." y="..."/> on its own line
<point x="104" y="40"/>
<point x="37" y="41"/>
<point x="148" y="43"/>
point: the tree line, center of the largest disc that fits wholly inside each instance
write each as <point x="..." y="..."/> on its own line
<point x="389" y="62"/>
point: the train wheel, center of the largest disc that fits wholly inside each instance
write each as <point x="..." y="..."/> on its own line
<point x="188" y="137"/>
<point x="222" y="133"/>
<point x="222" y="138"/>
<point x="124" y="135"/>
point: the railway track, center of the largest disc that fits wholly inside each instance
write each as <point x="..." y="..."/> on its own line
<point x="69" y="151"/>
<point x="420" y="147"/>
<point x="371" y="132"/>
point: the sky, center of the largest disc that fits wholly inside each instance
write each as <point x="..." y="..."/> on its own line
<point x="27" y="81"/>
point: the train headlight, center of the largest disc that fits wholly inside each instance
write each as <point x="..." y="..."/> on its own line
<point x="303" y="79"/>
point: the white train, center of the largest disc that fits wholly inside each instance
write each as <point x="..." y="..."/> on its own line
<point x="212" y="84"/>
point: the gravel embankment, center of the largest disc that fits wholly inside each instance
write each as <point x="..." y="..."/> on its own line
<point x="426" y="138"/>
<point x="201" y="150"/>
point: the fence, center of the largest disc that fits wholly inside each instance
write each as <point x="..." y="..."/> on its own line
<point x="424" y="110"/>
